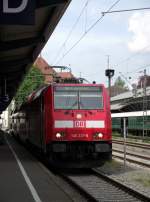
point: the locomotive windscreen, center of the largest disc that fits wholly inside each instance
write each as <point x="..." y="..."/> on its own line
<point x="78" y="97"/>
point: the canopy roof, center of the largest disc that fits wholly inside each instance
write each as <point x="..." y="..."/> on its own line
<point x="21" y="44"/>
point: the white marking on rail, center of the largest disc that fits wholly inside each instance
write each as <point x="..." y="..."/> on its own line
<point x="27" y="179"/>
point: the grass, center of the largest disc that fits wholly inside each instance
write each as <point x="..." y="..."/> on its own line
<point x="116" y="134"/>
<point x="144" y="181"/>
<point x="113" y="164"/>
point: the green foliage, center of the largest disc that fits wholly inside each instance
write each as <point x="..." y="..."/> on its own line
<point x="32" y="81"/>
<point x="119" y="82"/>
<point x="144" y="180"/>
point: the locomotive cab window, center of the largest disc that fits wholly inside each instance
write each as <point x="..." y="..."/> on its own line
<point x="78" y="97"/>
<point x="90" y="100"/>
<point x="65" y="100"/>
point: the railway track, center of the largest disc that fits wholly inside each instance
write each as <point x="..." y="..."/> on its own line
<point x="97" y="187"/>
<point x="136" y="153"/>
<point x="133" y="144"/>
<point x="132" y="158"/>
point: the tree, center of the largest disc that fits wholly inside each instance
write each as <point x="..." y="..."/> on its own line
<point x="118" y="87"/>
<point x="119" y="82"/>
<point x="33" y="80"/>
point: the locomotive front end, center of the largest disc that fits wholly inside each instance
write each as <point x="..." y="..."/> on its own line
<point x="81" y="125"/>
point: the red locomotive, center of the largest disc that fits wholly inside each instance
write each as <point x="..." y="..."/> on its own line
<point x="70" y="123"/>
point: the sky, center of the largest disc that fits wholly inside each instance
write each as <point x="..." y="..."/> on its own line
<point x="124" y="36"/>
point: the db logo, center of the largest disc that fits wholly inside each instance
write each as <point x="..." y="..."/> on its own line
<point x="17" y="11"/>
<point x="79" y="124"/>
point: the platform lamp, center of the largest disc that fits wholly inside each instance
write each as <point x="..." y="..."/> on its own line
<point x="109" y="73"/>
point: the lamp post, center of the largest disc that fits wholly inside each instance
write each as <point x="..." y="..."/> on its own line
<point x="143" y="85"/>
<point x="144" y="103"/>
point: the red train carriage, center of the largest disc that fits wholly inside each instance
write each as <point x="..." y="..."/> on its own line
<point x="71" y="123"/>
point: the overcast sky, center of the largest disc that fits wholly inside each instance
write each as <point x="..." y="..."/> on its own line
<point x="124" y="36"/>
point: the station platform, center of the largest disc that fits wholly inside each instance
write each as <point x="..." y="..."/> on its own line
<point x="23" y="178"/>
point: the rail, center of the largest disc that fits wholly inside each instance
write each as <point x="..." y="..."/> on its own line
<point x="133" y="144"/>
<point x="95" y="186"/>
<point x="137" y="153"/>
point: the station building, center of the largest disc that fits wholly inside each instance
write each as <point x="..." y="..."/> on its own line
<point x="129" y="101"/>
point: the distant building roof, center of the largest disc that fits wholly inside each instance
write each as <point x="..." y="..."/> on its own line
<point x="130" y="94"/>
<point x="40" y="62"/>
<point x="115" y="90"/>
<point x="49" y="73"/>
<point x="130" y="101"/>
<point x="117" y="106"/>
<point x="45" y="69"/>
<point x="121" y="96"/>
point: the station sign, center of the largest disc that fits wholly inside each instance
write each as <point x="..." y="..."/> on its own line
<point x="17" y="12"/>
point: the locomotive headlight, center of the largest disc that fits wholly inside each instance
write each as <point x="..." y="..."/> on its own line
<point x="98" y="135"/>
<point x="58" y="135"/>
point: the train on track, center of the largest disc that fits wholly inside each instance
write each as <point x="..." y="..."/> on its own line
<point x="70" y="123"/>
<point x="137" y="122"/>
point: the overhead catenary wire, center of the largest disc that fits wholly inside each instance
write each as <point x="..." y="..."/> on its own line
<point x="136" y="70"/>
<point x="125" y="10"/>
<point x="71" y="31"/>
<point x="134" y="55"/>
<point x="86" y="16"/>
<point x="88" y="30"/>
<point x="126" y="79"/>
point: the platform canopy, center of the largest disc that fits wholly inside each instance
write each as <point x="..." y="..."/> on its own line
<point x="25" y="27"/>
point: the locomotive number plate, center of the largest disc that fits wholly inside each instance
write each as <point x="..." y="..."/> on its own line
<point x="80" y="135"/>
<point x="79" y="124"/>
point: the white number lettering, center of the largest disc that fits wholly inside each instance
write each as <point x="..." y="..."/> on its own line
<point x="19" y="9"/>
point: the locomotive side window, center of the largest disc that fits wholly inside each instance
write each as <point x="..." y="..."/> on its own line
<point x="65" y="100"/>
<point x="78" y="97"/>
